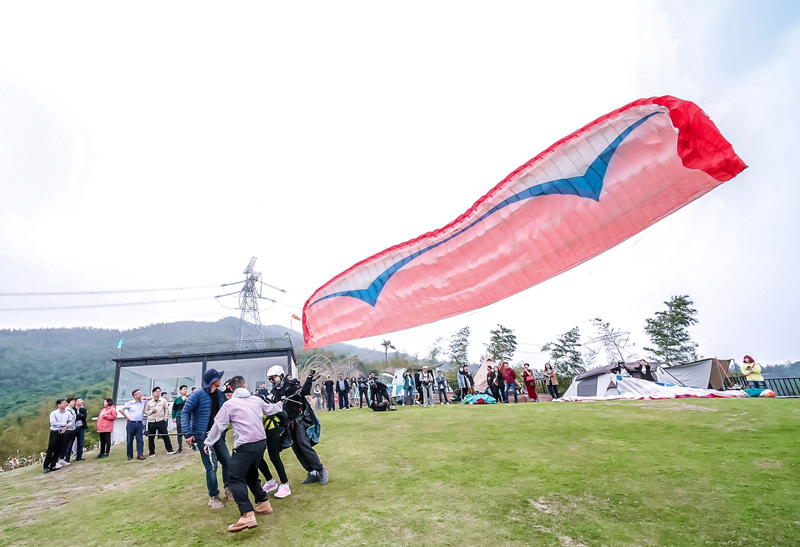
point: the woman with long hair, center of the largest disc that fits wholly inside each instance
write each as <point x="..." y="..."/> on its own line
<point x="500" y="381"/>
<point x="105" y="425"/>
<point x="530" y="383"/>
<point x="551" y="380"/>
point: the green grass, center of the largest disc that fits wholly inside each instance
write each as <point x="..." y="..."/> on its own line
<point x="690" y="472"/>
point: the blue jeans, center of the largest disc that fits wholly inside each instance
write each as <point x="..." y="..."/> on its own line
<point x="79" y="435"/>
<point x="408" y="398"/>
<point x="757" y="384"/>
<point x="219" y="456"/>
<point x="514" y="387"/>
<point x="134" y="430"/>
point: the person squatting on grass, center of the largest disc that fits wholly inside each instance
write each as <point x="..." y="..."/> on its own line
<point x="197" y="418"/>
<point x="60" y="421"/>
<point x="157" y="411"/>
<point x="293" y="396"/>
<point x="105" y="425"/>
<point x="379" y="392"/>
<point x="244" y="413"/>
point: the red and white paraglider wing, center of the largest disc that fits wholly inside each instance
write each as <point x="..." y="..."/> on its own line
<point x="580" y="197"/>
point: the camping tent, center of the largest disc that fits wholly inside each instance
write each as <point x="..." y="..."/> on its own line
<point x="705" y="373"/>
<point x="599" y="382"/>
<point x="481" y="385"/>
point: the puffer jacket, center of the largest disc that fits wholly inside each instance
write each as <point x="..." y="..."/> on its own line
<point x="197" y="412"/>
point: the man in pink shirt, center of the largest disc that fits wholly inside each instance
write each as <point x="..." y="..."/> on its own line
<point x="244" y="413"/>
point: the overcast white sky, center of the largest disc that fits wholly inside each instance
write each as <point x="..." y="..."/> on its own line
<point x="163" y="145"/>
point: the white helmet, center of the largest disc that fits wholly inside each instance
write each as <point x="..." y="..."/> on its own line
<point x="275" y="370"/>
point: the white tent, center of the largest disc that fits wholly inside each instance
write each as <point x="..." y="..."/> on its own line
<point x="595" y="383"/>
<point x="705" y="373"/>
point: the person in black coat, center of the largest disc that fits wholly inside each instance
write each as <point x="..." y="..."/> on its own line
<point x="343" y="389"/>
<point x="418" y="385"/>
<point x="329" y="394"/>
<point x="379" y="391"/>
<point x="295" y="404"/>
<point x="363" y="389"/>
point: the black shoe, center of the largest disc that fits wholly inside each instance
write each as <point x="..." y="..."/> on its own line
<point x="46" y="471"/>
<point x="323" y="477"/>
<point x="311" y="478"/>
<point x="180" y="450"/>
<point x="100" y="456"/>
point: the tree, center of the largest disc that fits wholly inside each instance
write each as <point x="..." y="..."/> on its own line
<point x="502" y="344"/>
<point x="565" y="355"/>
<point x="669" y="333"/>
<point x="459" y="343"/>
<point x="387" y="345"/>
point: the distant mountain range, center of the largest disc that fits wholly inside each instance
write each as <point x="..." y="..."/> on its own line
<point x="36" y="364"/>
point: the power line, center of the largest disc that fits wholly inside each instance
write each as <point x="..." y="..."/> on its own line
<point x="119" y="304"/>
<point x="118" y="291"/>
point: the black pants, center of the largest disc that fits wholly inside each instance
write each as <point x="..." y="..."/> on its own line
<point x="105" y="442"/>
<point x="243" y="474"/>
<point x="329" y="400"/>
<point x="159" y="428"/>
<point x="274" y="450"/>
<point x="343" y="401"/>
<point x="69" y="440"/>
<point x="553" y="391"/>
<point x="55" y="449"/>
<point x="180" y="433"/>
<point x="301" y="446"/>
<point x="363" y="392"/>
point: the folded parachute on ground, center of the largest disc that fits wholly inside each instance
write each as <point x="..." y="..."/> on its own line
<point x="580" y="197"/>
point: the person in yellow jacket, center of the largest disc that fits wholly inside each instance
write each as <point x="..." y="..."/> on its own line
<point x="752" y="371"/>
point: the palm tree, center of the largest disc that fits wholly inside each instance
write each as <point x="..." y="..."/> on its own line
<point x="387" y="345"/>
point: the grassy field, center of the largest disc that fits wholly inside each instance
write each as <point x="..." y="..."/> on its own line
<point x="689" y="472"/>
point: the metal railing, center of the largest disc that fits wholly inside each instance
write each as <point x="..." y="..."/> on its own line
<point x="783" y="387"/>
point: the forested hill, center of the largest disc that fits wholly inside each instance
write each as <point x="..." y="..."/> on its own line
<point x="46" y="363"/>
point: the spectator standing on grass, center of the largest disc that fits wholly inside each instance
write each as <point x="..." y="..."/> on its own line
<point x="105" y="425"/>
<point x="243" y="412"/>
<point x="530" y="383"/>
<point x="69" y="438"/>
<point x="177" y="409"/>
<point x="363" y="389"/>
<point x="418" y="386"/>
<point x="551" y="380"/>
<point x="317" y="398"/>
<point x="510" y="376"/>
<point x="134" y="429"/>
<point x="81" y="419"/>
<point x="408" y="389"/>
<point x="343" y="388"/>
<point x="501" y="382"/>
<point x="752" y="372"/>
<point x="490" y="374"/>
<point x="329" y="394"/>
<point x="157" y="411"/>
<point x="60" y="420"/>
<point x="463" y="384"/>
<point x="441" y="387"/>
<point x="426" y="379"/>
<point x="197" y="419"/>
<point x="470" y="381"/>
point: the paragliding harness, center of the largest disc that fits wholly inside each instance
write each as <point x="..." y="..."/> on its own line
<point x="308" y="420"/>
<point x="279" y="422"/>
<point x="381" y="407"/>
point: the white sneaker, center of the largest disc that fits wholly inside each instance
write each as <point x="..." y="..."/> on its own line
<point x="170" y="453"/>
<point x="283" y="491"/>
<point x="152" y="456"/>
<point x="270" y="486"/>
<point x="63" y="462"/>
<point x="57" y="466"/>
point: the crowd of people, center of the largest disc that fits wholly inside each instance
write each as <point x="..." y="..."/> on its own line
<point x="266" y="421"/>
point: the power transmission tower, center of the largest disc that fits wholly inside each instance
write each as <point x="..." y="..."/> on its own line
<point x="250" y="335"/>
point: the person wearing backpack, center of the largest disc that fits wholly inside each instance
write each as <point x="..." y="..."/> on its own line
<point x="293" y="396"/>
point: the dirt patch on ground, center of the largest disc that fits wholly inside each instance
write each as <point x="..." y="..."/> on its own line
<point x="569" y="542"/>
<point x="666" y="405"/>
<point x="767" y="464"/>
<point x="540" y="506"/>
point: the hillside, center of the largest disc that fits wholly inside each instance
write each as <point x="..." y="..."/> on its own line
<point x="691" y="472"/>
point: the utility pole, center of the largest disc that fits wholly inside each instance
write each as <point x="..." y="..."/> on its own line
<point x="250" y="335"/>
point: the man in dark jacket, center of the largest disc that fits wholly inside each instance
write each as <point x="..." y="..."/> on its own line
<point x="81" y="425"/>
<point x="197" y="418"/>
<point x="330" y="403"/>
<point x="363" y="389"/>
<point x="343" y="388"/>
<point x="418" y="386"/>
<point x="293" y="396"/>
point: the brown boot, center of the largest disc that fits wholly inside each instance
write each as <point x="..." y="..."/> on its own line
<point x="228" y="493"/>
<point x="247" y="521"/>
<point x="263" y="508"/>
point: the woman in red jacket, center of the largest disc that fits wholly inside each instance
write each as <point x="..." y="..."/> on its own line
<point x="105" y="425"/>
<point x="530" y="383"/>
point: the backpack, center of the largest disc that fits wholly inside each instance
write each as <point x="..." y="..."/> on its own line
<point x="278" y="422"/>
<point x="309" y="421"/>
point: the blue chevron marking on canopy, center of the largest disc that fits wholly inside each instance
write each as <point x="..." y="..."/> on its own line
<point x="587" y="186"/>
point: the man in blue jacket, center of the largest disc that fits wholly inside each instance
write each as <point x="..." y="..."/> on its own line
<point x="197" y="419"/>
